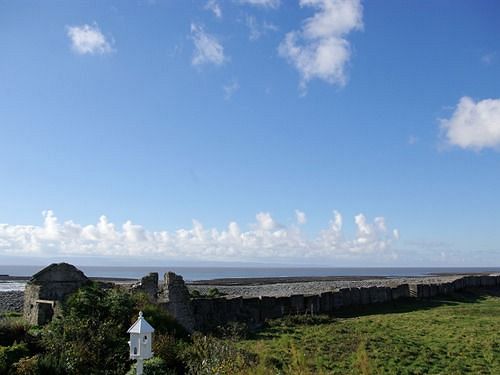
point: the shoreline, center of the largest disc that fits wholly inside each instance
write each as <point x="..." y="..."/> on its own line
<point x="260" y="286"/>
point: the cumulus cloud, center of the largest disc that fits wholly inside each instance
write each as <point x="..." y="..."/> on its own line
<point x="474" y="125"/>
<point x="320" y="48"/>
<point x="265" y="239"/>
<point x="214" y="7"/>
<point x="207" y="49"/>
<point x="88" y="39"/>
<point x="230" y="89"/>
<point x="301" y="217"/>
<point x="262" y="3"/>
<point x="258" y="29"/>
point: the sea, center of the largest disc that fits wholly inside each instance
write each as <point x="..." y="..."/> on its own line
<point x="210" y="273"/>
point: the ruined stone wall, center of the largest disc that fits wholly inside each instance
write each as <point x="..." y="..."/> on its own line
<point x="209" y="313"/>
<point x="174" y="296"/>
<point x="148" y="285"/>
<point x="48" y="288"/>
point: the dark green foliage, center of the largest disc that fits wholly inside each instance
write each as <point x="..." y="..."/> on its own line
<point x="214" y="292"/>
<point x="154" y="366"/>
<point x="91" y="335"/>
<point x="234" y="331"/>
<point x="195" y="293"/>
<point x="169" y="349"/>
<point x="12" y="328"/>
<point x="10" y="355"/>
<point x="158" y="317"/>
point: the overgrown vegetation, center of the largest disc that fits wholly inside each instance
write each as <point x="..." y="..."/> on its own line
<point x="211" y="293"/>
<point x="447" y="336"/>
<point x="441" y="336"/>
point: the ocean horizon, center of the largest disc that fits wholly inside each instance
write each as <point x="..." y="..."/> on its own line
<point x="210" y="273"/>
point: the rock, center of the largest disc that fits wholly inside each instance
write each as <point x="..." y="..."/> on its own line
<point x="48" y="288"/>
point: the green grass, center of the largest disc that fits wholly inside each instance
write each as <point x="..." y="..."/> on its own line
<point x="459" y="335"/>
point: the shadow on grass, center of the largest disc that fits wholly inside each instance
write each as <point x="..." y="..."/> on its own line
<point x="467" y="296"/>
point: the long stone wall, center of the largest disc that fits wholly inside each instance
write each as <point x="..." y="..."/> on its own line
<point x="212" y="312"/>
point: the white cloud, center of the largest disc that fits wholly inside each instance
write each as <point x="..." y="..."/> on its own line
<point x="214" y="7"/>
<point x="207" y="48"/>
<point x="488" y="58"/>
<point x="230" y="89"/>
<point x="257" y="29"/>
<point x="301" y="217"/>
<point x="319" y="49"/>
<point x="262" y="3"/>
<point x="265" y="239"/>
<point x="474" y="125"/>
<point x="87" y="39"/>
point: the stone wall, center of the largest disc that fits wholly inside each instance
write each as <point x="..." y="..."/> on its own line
<point x="209" y="313"/>
<point x="48" y="288"/>
<point x="174" y="296"/>
<point x="148" y="285"/>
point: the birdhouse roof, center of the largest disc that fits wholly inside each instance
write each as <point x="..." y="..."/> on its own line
<point x="141" y="326"/>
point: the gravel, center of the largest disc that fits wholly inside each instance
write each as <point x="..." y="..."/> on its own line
<point x="313" y="287"/>
<point x="11" y="301"/>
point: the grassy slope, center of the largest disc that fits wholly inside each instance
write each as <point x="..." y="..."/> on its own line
<point x="443" y="336"/>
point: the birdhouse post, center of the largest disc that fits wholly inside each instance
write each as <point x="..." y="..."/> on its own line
<point x="141" y="340"/>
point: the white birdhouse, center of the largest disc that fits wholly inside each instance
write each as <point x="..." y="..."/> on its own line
<point x="141" y="339"/>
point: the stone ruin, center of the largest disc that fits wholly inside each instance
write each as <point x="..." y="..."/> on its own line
<point x="173" y="295"/>
<point x="48" y="288"/>
<point x="51" y="286"/>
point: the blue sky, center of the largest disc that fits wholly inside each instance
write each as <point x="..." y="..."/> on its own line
<point x="331" y="132"/>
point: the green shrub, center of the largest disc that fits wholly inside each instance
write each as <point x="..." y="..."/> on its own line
<point x="27" y="366"/>
<point x="91" y="335"/>
<point x="12" y="328"/>
<point x="10" y="355"/>
<point x="162" y="321"/>
<point x="153" y="366"/>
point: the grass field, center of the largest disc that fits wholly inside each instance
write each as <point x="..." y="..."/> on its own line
<point x="459" y="335"/>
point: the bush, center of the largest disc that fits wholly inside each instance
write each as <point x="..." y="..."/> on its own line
<point x="234" y="331"/>
<point x="153" y="366"/>
<point x="158" y="317"/>
<point x="27" y="366"/>
<point x="210" y="356"/>
<point x="10" y="355"/>
<point x="91" y="335"/>
<point x="12" y="328"/>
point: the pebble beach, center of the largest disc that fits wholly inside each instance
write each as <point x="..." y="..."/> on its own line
<point x="272" y="287"/>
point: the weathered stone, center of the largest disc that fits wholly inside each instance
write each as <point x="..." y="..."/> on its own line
<point x="326" y="302"/>
<point x="312" y="304"/>
<point x="346" y="297"/>
<point x="177" y="301"/>
<point x="400" y="291"/>
<point x="148" y="285"/>
<point x="297" y="304"/>
<point x="433" y="290"/>
<point x="338" y="302"/>
<point x="355" y="296"/>
<point x="48" y="288"/>
<point x="365" y="296"/>
<point x="374" y="297"/>
<point x="426" y="290"/>
<point x="270" y="309"/>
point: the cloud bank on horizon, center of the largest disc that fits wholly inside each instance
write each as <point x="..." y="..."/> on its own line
<point x="265" y="239"/>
